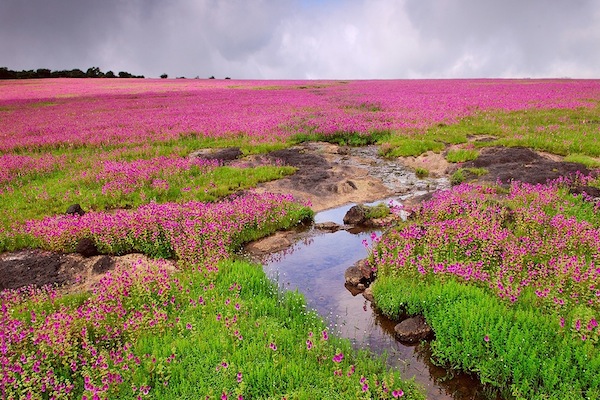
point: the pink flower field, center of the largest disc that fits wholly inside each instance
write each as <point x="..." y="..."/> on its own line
<point x="61" y="112"/>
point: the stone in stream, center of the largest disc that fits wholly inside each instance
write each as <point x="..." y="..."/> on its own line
<point x="360" y="273"/>
<point x="413" y="330"/>
<point x="356" y="215"/>
<point x="328" y="226"/>
<point x="368" y="294"/>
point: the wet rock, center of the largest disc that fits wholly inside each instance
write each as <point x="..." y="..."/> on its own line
<point x="368" y="294"/>
<point x="353" y="289"/>
<point x="356" y="215"/>
<point x="353" y="276"/>
<point x="359" y="273"/>
<point x="328" y="226"/>
<point x="86" y="247"/>
<point x="75" y="209"/>
<point x="224" y="155"/>
<point x="413" y="330"/>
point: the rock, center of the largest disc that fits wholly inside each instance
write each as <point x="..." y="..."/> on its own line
<point x="353" y="276"/>
<point x="75" y="209"/>
<point x="356" y="215"/>
<point x="223" y="155"/>
<point x="353" y="289"/>
<point x="413" y="330"/>
<point x="328" y="226"/>
<point x="368" y="294"/>
<point x="359" y="274"/>
<point x="86" y="247"/>
<point x="365" y="268"/>
<point x="589" y="193"/>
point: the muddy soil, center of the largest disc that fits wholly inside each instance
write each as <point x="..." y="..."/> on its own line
<point x="327" y="176"/>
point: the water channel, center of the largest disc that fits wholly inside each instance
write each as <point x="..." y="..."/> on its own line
<point x="315" y="266"/>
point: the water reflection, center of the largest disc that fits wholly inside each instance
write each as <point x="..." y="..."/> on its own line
<point x="315" y="266"/>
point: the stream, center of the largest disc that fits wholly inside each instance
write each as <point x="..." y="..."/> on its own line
<point x="315" y="265"/>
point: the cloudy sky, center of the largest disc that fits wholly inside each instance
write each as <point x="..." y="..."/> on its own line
<point x="306" y="39"/>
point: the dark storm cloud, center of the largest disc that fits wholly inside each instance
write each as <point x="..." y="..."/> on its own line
<point x="305" y="39"/>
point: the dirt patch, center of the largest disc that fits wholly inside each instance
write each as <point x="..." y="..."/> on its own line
<point x="72" y="272"/>
<point x="506" y="164"/>
<point x="435" y="163"/>
<point x="327" y="176"/>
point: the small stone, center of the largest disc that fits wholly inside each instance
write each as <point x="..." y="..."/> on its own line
<point x="356" y="215"/>
<point x="328" y="226"/>
<point x="353" y="276"/>
<point x="413" y="330"/>
<point x="75" y="209"/>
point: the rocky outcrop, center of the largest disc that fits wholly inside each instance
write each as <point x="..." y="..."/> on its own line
<point x="359" y="276"/>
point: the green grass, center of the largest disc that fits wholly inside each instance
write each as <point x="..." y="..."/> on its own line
<point x="421" y="172"/>
<point x="461" y="155"/>
<point x="342" y="138"/>
<point x="266" y="317"/>
<point x="464" y="174"/>
<point x="523" y="352"/>
<point x="588" y="161"/>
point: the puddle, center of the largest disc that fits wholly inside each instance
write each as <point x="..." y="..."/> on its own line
<point x="315" y="266"/>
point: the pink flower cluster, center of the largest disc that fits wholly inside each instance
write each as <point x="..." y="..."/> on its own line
<point x="58" y="350"/>
<point x="524" y="242"/>
<point x="193" y="232"/>
<point x="123" y="177"/>
<point x="89" y="112"/>
<point x="13" y="166"/>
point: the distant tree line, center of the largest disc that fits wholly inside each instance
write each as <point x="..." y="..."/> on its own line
<point x="92" y="72"/>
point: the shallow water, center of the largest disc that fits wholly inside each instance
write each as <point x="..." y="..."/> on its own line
<point x="315" y="267"/>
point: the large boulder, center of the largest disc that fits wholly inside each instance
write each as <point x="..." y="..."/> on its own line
<point x="360" y="273"/>
<point x="413" y="330"/>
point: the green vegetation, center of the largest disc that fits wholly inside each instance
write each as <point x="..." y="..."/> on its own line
<point x="421" y="172"/>
<point x="465" y="174"/>
<point x="379" y="211"/>
<point x="507" y="280"/>
<point x="343" y="138"/>
<point x="461" y="155"/>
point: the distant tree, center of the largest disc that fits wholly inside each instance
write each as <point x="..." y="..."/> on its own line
<point x="110" y="74"/>
<point x="43" y="73"/>
<point x="211" y="77"/>
<point x="93" y="72"/>
<point x="164" y="76"/>
<point x="123" y="74"/>
<point x="227" y="77"/>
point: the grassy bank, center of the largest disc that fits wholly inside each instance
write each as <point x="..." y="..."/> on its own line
<point x="507" y="280"/>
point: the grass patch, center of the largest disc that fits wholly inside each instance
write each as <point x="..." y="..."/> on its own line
<point x="558" y="131"/>
<point x="342" y="138"/>
<point x="378" y="211"/>
<point x="588" y="161"/>
<point x="421" y="172"/>
<point x="405" y="146"/>
<point x="465" y="174"/>
<point x="461" y="155"/>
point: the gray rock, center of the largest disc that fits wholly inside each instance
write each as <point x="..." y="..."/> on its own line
<point x="328" y="226"/>
<point x="413" y="330"/>
<point x="353" y="276"/>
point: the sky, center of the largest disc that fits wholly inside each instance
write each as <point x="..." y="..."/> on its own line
<point x="306" y="39"/>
